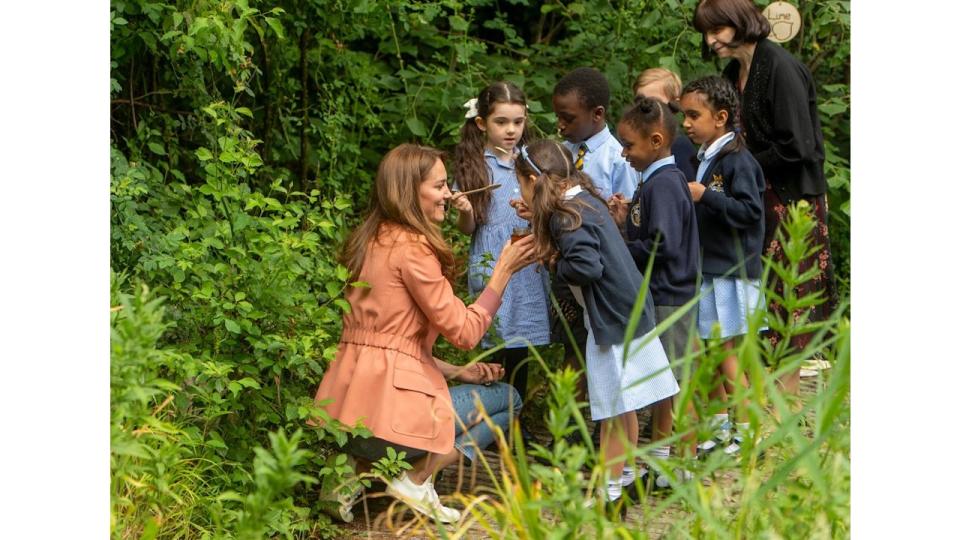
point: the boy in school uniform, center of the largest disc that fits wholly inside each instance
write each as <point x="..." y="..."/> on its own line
<point x="580" y="101"/>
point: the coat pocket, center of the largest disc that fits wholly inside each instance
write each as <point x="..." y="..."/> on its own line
<point x="416" y="407"/>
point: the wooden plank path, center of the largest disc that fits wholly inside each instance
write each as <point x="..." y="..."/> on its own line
<point x="375" y="520"/>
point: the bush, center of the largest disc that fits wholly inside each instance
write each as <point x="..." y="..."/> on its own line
<point x="244" y="138"/>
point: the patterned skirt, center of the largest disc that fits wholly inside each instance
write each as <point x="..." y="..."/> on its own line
<point x="617" y="385"/>
<point x="728" y="303"/>
<point x="775" y="211"/>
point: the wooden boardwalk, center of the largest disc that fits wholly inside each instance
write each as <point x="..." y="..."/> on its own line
<point x="375" y="519"/>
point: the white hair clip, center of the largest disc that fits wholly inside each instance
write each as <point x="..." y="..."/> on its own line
<point x="471" y="107"/>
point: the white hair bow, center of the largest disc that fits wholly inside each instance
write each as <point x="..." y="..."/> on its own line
<point x="471" y="107"/>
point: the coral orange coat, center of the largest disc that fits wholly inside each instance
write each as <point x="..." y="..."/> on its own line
<point x="384" y="374"/>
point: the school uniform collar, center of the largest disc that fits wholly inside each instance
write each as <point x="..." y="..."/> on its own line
<point x="572" y="192"/>
<point x="487" y="153"/>
<point x="656" y="165"/>
<point x="708" y="153"/>
<point x="597" y="140"/>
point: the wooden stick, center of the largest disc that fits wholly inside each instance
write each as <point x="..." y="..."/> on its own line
<point x="478" y="190"/>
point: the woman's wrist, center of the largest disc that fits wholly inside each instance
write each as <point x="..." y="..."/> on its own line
<point x="498" y="279"/>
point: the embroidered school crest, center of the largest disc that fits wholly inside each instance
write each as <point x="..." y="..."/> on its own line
<point x="717" y="183"/>
<point x="635" y="215"/>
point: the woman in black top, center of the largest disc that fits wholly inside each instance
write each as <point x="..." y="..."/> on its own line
<point x="782" y="129"/>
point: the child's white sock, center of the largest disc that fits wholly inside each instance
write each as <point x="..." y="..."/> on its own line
<point x="661" y="452"/>
<point x="628" y="476"/>
<point x="614" y="490"/>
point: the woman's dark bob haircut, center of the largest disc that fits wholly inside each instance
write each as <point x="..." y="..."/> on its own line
<point x="743" y="16"/>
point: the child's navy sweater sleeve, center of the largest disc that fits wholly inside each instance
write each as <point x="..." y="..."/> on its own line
<point x="579" y="262"/>
<point x="739" y="205"/>
<point x="664" y="224"/>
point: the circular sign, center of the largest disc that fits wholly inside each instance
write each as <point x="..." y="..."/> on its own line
<point x="784" y="20"/>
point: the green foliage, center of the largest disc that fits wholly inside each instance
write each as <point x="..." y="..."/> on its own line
<point x="244" y="139"/>
<point x="792" y="479"/>
<point x="392" y="465"/>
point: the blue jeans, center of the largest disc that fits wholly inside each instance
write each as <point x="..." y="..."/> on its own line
<point x="500" y="401"/>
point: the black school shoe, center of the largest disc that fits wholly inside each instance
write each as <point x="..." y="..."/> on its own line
<point x="616" y="510"/>
<point x="644" y="481"/>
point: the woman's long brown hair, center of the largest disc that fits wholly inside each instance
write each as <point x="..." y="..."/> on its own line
<point x="557" y="174"/>
<point x="469" y="166"/>
<point x="396" y="199"/>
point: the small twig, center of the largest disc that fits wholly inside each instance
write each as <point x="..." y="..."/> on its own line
<point x="116" y="308"/>
<point x="149" y="106"/>
<point x="162" y="405"/>
<point x="478" y="190"/>
<point x="133" y="110"/>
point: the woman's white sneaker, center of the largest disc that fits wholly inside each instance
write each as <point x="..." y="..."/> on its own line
<point x="422" y="498"/>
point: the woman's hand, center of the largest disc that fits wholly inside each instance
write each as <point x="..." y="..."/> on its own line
<point x="696" y="190"/>
<point x="516" y="255"/>
<point x="523" y="212"/>
<point x="618" y="208"/>
<point x="462" y="203"/>
<point x="513" y="257"/>
<point x="480" y="373"/>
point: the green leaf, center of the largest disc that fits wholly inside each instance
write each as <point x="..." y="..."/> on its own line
<point x="244" y="111"/>
<point x="156" y="148"/>
<point x="458" y="23"/>
<point x="342" y="304"/>
<point x="232" y="325"/>
<point x="416" y="127"/>
<point x="249" y="382"/>
<point x="129" y="448"/>
<point x="203" y="154"/>
<point x="276" y="25"/>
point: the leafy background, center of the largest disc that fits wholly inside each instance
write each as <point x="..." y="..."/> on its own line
<point x="244" y="138"/>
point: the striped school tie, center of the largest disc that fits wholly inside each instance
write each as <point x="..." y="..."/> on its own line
<point x="579" y="163"/>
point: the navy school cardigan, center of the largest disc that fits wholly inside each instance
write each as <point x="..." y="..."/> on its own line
<point x="662" y="213"/>
<point x="594" y="257"/>
<point x="730" y="214"/>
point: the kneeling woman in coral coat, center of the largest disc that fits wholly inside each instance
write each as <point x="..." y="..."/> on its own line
<point x="384" y="374"/>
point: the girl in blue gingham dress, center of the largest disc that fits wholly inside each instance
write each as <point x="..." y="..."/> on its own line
<point x="728" y="195"/>
<point x="574" y="230"/>
<point x="495" y="124"/>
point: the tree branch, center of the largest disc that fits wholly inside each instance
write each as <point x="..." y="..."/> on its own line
<point x="132" y="102"/>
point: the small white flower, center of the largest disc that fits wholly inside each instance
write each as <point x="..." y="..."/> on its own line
<point x="471" y="107"/>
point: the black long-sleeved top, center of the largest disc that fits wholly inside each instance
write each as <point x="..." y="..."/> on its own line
<point x="662" y="213"/>
<point x="780" y="120"/>
<point x="686" y="155"/>
<point x="594" y="257"/>
<point x="730" y="215"/>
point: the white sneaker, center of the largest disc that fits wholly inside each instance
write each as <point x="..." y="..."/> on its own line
<point x="345" y="500"/>
<point x="663" y="482"/>
<point x="422" y="498"/>
<point x="345" y="496"/>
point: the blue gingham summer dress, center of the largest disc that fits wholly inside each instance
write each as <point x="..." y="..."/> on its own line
<point x="524" y="312"/>
<point x="616" y="386"/>
<point x="729" y="303"/>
